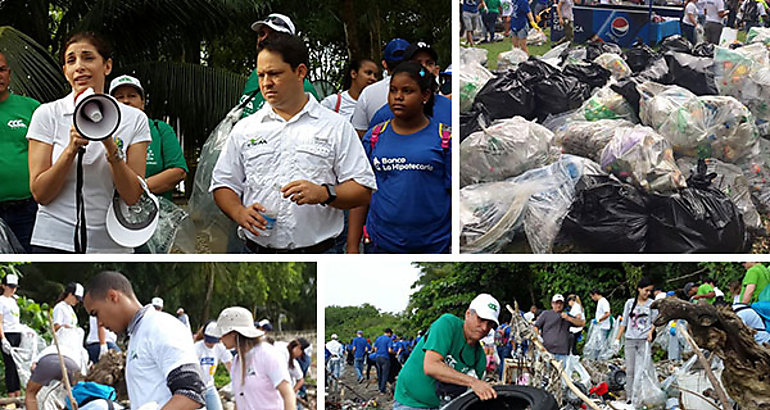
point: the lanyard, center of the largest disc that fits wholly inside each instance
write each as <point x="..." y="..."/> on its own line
<point x="81" y="233"/>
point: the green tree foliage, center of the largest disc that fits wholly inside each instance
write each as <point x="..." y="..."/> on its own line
<point x="269" y="290"/>
<point x="449" y="287"/>
<point x="346" y="321"/>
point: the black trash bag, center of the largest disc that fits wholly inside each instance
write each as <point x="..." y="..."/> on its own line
<point x="509" y="397"/>
<point x="697" y="219"/>
<point x="704" y="49"/>
<point x="607" y="216"/>
<point x="675" y="43"/>
<point x="504" y="97"/>
<point x="657" y="70"/>
<point x="564" y="56"/>
<point x="639" y="57"/>
<point x="557" y="94"/>
<point x="8" y="241"/>
<point x="693" y="73"/>
<point x="595" y="49"/>
<point x="591" y="73"/>
<point x="533" y="70"/>
<point x="627" y="89"/>
<point x="471" y="122"/>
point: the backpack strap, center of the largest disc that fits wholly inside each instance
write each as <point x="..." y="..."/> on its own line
<point x="376" y="131"/>
<point x="339" y="100"/>
<point x="445" y="132"/>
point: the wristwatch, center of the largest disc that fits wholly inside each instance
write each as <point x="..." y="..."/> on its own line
<point x="332" y="194"/>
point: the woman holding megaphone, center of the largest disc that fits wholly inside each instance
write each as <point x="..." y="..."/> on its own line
<point x="75" y="189"/>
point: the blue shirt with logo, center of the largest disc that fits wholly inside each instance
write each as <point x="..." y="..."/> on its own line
<point x="412" y="208"/>
<point x="470" y="6"/>
<point x="361" y="346"/>
<point x="442" y="112"/>
<point x="519" y="14"/>
<point x="383" y="343"/>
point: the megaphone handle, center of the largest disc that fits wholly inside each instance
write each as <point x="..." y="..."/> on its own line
<point x="81" y="232"/>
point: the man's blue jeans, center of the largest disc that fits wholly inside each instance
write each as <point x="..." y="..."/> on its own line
<point x="383" y="372"/>
<point x="358" y="363"/>
<point x="335" y="364"/>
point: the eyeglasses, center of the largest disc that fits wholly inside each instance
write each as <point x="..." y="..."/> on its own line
<point x="278" y="22"/>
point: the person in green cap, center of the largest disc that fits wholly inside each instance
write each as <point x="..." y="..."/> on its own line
<point x="166" y="166"/>
<point x="17" y="208"/>
<point x="449" y="359"/>
<point x="273" y="24"/>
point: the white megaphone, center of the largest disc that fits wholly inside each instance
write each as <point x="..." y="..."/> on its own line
<point x="97" y="116"/>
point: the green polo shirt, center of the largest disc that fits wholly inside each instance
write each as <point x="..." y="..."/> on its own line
<point x="252" y="84"/>
<point x="705" y="289"/>
<point x="759" y="275"/>
<point x="493" y="6"/>
<point x="446" y="337"/>
<point x="15" y="115"/>
<point x="164" y="151"/>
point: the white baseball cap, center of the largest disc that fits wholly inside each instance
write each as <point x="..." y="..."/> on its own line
<point x="133" y="225"/>
<point x="486" y="307"/>
<point x="237" y="319"/>
<point x="557" y="298"/>
<point x="11" y="280"/>
<point x="126" y="80"/>
<point x="277" y="22"/>
<point x="210" y="332"/>
<point x="156" y="301"/>
<point x="334" y="336"/>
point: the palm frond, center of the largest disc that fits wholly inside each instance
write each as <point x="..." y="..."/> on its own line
<point x="34" y="71"/>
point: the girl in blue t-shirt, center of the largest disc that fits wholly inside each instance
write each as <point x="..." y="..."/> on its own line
<point x="412" y="161"/>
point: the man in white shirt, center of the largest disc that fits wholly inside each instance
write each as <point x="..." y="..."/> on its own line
<point x="602" y="317"/>
<point x="288" y="171"/>
<point x="161" y="365"/>
<point x="337" y="351"/>
<point x="715" y="11"/>
<point x="99" y="340"/>
<point x="530" y="316"/>
<point x="373" y="97"/>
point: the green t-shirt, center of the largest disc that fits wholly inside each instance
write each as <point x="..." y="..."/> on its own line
<point x="445" y="336"/>
<point x="493" y="5"/>
<point x="15" y="114"/>
<point x="704" y="289"/>
<point x="759" y="275"/>
<point x="252" y="84"/>
<point x="164" y="151"/>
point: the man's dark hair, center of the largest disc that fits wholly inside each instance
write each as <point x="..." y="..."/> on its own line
<point x="291" y="48"/>
<point x="595" y="292"/>
<point x="98" y="286"/>
<point x="387" y="330"/>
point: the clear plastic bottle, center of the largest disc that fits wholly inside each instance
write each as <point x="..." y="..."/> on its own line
<point x="272" y="205"/>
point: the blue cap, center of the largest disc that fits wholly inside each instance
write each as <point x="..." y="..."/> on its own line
<point x="671" y="293"/>
<point x="396" y="49"/>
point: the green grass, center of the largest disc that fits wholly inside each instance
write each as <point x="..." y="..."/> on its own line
<point x="496" y="48"/>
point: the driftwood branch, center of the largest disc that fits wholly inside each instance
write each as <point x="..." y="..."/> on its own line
<point x="707" y="368"/>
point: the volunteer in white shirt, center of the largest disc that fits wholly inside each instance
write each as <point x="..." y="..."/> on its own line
<point x="293" y="353"/>
<point x="715" y="11"/>
<point x="576" y="310"/>
<point x="161" y="365"/>
<point x="292" y="157"/>
<point x="362" y="73"/>
<point x="10" y="332"/>
<point x="63" y="314"/>
<point x="99" y="340"/>
<point x="114" y="163"/>
<point x="46" y="366"/>
<point x="376" y="95"/>
<point x="210" y="353"/>
<point x="260" y="377"/>
<point x="602" y="317"/>
<point x="157" y="304"/>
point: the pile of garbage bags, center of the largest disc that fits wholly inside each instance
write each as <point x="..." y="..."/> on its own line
<point x="637" y="122"/>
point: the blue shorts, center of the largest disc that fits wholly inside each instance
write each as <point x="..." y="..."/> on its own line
<point x="519" y="33"/>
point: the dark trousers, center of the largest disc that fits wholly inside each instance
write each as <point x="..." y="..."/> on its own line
<point x="369" y="364"/>
<point x="712" y="31"/>
<point x="20" y="217"/>
<point x="11" y="375"/>
<point x="688" y="32"/>
<point x="383" y="372"/>
<point x="489" y="20"/>
<point x="93" y="350"/>
<point x="573" y="341"/>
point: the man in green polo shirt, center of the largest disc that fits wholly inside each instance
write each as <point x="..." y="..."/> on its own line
<point x="449" y="359"/>
<point x="17" y="208"/>
<point x="704" y="291"/>
<point x="274" y="23"/>
<point x="754" y="281"/>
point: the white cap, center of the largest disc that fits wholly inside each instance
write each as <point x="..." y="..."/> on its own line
<point x="180" y="310"/>
<point x="133" y="225"/>
<point x="11" y="280"/>
<point x="334" y="336"/>
<point x="486" y="307"/>
<point x="126" y="80"/>
<point x="264" y="322"/>
<point x="277" y="22"/>
<point x="237" y="319"/>
<point x="156" y="301"/>
<point x="557" y="298"/>
<point x="211" y="330"/>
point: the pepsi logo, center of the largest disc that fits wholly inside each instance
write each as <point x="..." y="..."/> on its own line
<point x="619" y="26"/>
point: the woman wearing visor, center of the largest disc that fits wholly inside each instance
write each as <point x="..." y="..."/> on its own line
<point x="73" y="205"/>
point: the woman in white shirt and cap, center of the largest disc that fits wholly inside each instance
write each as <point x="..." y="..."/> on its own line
<point x="10" y="332"/>
<point x="63" y="313"/>
<point x="259" y="374"/>
<point x="210" y="353"/>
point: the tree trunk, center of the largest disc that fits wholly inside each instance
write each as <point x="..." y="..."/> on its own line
<point x="209" y="291"/>
<point x="350" y="26"/>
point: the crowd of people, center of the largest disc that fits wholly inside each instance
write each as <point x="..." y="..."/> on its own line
<point x="348" y="174"/>
<point x="165" y="362"/>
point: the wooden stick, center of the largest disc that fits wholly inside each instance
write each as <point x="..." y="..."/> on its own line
<point x="64" y="375"/>
<point x="557" y="365"/>
<point x="707" y="368"/>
